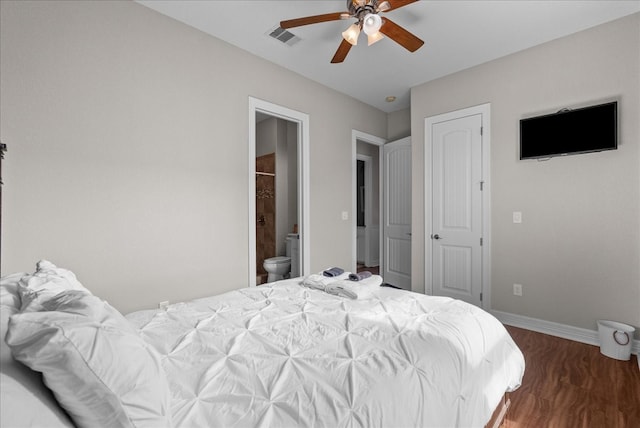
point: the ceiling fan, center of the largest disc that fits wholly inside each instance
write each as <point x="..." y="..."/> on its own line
<point x="375" y="27"/>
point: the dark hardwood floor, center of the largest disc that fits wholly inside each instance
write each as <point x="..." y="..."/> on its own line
<point x="569" y="384"/>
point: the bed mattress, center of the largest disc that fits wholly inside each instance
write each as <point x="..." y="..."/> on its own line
<point x="284" y="355"/>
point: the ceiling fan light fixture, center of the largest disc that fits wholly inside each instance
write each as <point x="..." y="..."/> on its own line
<point x="351" y="34"/>
<point x="384" y="6"/>
<point x="375" y="37"/>
<point x="371" y="23"/>
<point x="366" y="14"/>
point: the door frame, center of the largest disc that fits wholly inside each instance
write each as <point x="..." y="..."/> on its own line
<point x="485" y="111"/>
<point x="376" y="141"/>
<point x="302" y="120"/>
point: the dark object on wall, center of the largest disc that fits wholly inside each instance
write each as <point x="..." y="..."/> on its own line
<point x="568" y="132"/>
<point x="3" y="148"/>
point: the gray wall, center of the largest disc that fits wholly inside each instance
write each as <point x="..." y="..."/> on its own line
<point x="577" y="252"/>
<point x="398" y="124"/>
<point x="292" y="179"/>
<point x="128" y="160"/>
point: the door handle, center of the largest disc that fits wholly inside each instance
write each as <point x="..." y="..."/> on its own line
<point x="436" y="236"/>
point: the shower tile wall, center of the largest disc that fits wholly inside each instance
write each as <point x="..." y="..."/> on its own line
<point x="265" y="212"/>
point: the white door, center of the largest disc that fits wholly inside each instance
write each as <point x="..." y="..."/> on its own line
<point x="396" y="221"/>
<point x="456" y="192"/>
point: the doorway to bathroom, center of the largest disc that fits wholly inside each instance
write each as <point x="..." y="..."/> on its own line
<point x="278" y="192"/>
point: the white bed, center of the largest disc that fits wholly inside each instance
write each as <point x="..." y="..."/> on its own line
<point x="284" y="355"/>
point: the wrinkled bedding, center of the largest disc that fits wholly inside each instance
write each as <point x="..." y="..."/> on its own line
<point x="283" y="355"/>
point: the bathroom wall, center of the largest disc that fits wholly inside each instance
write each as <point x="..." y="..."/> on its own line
<point x="266" y="207"/>
<point x="286" y="167"/>
<point x="266" y="136"/>
<point x="292" y="183"/>
<point x="265" y="212"/>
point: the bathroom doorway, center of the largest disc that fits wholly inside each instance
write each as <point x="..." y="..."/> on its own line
<point x="278" y="189"/>
<point x="276" y="195"/>
<point x="367" y="197"/>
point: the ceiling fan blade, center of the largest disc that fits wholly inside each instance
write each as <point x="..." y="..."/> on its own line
<point x="400" y="35"/>
<point x="342" y="52"/>
<point x="396" y="4"/>
<point x="298" y="22"/>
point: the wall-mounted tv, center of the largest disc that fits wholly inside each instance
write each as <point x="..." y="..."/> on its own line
<point x="567" y="132"/>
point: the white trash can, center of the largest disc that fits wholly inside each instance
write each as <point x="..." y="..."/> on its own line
<point x="615" y="339"/>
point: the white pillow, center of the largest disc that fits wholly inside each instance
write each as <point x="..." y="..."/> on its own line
<point x="47" y="281"/>
<point x="25" y="401"/>
<point x="100" y="370"/>
<point x="9" y="295"/>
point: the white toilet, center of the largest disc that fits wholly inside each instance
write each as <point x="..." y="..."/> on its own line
<point x="277" y="267"/>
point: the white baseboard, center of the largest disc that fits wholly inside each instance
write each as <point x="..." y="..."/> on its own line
<point x="577" y="334"/>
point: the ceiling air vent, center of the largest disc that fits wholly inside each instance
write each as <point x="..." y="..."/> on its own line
<point x="286" y="37"/>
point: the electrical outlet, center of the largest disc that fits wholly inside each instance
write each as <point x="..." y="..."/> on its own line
<point x="517" y="289"/>
<point x="163" y="305"/>
<point x="345" y="215"/>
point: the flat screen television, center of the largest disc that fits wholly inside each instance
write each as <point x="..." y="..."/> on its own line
<point x="567" y="132"/>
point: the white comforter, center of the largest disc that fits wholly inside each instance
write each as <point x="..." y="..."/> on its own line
<point x="290" y="356"/>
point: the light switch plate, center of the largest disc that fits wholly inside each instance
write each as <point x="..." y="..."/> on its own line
<point x="517" y="289"/>
<point x="517" y="217"/>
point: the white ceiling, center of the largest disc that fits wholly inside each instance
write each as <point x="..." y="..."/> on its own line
<point x="458" y="34"/>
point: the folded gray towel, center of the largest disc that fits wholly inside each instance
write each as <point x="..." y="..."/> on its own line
<point x="334" y="271"/>
<point x="360" y="275"/>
